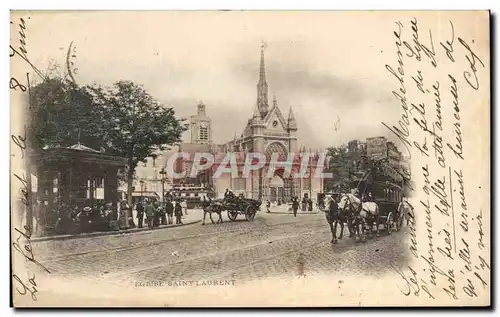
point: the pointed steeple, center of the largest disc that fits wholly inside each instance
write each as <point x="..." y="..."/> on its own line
<point x="275" y="102"/>
<point x="262" y="91"/>
<point x="256" y="113"/>
<point x="292" y="123"/>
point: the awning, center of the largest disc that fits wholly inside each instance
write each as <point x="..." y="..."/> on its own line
<point x="145" y="194"/>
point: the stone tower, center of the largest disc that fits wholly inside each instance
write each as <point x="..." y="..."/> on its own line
<point x="201" y="126"/>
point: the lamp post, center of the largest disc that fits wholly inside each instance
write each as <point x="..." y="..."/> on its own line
<point x="163" y="173"/>
<point x="142" y="187"/>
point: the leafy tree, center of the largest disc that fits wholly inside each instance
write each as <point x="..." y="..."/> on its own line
<point x="62" y="114"/>
<point x="341" y="166"/>
<point x="136" y="125"/>
<point x="346" y="163"/>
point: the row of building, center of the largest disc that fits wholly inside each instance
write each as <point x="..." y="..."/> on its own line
<point x="380" y="148"/>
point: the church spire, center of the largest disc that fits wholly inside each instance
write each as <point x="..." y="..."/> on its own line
<point x="262" y="101"/>
<point x="292" y="123"/>
<point x="256" y="113"/>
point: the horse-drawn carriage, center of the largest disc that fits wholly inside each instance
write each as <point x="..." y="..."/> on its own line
<point x="387" y="195"/>
<point x="241" y="206"/>
<point x="234" y="206"/>
<point x="378" y="201"/>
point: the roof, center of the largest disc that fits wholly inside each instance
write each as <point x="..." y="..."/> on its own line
<point x="78" y="152"/>
<point x="81" y="147"/>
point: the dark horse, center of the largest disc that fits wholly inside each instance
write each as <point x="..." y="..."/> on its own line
<point x="335" y="215"/>
<point x="210" y="208"/>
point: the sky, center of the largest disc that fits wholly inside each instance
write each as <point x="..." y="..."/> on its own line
<point x="326" y="66"/>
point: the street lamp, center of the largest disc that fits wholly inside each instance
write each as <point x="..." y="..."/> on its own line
<point x="163" y="173"/>
<point x="142" y="187"/>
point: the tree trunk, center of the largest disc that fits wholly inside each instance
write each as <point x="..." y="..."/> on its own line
<point x="130" y="182"/>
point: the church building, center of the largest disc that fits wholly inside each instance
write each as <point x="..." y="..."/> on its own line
<point x="267" y="132"/>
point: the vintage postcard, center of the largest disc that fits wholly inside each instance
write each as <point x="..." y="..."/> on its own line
<point x="250" y="158"/>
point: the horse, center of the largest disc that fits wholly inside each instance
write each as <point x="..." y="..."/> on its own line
<point x="364" y="214"/>
<point x="342" y="216"/>
<point x="405" y="211"/>
<point x="210" y="208"/>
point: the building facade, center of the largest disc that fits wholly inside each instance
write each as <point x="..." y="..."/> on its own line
<point x="268" y="132"/>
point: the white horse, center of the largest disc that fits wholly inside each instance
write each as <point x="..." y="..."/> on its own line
<point x="365" y="213"/>
<point x="405" y="211"/>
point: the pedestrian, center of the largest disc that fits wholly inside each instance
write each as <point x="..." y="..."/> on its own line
<point x="163" y="214"/>
<point x="85" y="219"/>
<point x="156" y="217"/>
<point x="140" y="213"/>
<point x="128" y="214"/>
<point x="184" y="207"/>
<point x="268" y="206"/>
<point x="108" y="214"/>
<point x="169" y="209"/>
<point x="178" y="212"/>
<point x="150" y="213"/>
<point x="295" y="206"/>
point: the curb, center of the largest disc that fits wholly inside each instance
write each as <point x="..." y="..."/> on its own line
<point x="291" y="213"/>
<point x="108" y="233"/>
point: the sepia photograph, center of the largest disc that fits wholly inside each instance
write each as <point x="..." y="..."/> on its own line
<point x="250" y="158"/>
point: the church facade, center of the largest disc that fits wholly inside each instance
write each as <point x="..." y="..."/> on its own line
<point x="267" y="132"/>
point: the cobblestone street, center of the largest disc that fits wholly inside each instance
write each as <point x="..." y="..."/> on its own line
<point x="271" y="245"/>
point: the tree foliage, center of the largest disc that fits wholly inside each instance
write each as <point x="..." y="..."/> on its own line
<point x="62" y="115"/>
<point x="122" y="120"/>
<point x="345" y="164"/>
<point x="137" y="126"/>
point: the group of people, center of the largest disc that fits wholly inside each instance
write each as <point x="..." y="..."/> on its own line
<point x="101" y="216"/>
<point x="66" y="219"/>
<point x="160" y="213"/>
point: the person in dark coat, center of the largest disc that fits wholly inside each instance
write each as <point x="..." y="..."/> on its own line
<point x="169" y="209"/>
<point x="310" y="203"/>
<point x="295" y="206"/>
<point x="178" y="212"/>
<point x="156" y="219"/>
<point x="150" y="213"/>
<point x="140" y="213"/>
<point x="163" y="215"/>
<point x="64" y="220"/>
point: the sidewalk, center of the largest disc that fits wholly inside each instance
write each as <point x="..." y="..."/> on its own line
<point x="287" y="209"/>
<point x="193" y="216"/>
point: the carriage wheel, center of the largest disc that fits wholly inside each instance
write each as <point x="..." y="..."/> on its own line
<point x="399" y="223"/>
<point x="390" y="223"/>
<point x="232" y="215"/>
<point x="250" y="213"/>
